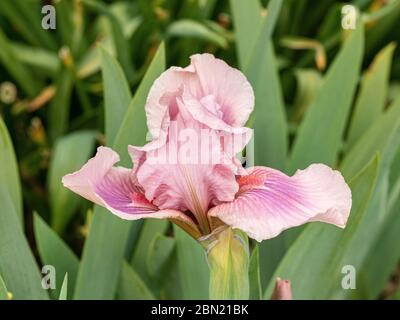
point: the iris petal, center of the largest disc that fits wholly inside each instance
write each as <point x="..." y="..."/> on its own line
<point x="205" y="76"/>
<point x="116" y="189"/>
<point x="269" y="201"/>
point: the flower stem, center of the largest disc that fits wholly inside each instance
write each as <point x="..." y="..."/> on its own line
<point x="228" y="259"/>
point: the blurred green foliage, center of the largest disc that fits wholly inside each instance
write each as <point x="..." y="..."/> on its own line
<point x="323" y="94"/>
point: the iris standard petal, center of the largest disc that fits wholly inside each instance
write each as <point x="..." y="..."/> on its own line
<point x="174" y="177"/>
<point x="269" y="201"/>
<point x="228" y="85"/>
<point x="207" y="112"/>
<point x="205" y="77"/>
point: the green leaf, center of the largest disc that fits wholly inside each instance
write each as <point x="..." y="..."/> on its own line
<point x="270" y="127"/>
<point x="90" y="62"/>
<point x="319" y="138"/>
<point x="133" y="129"/>
<point x="314" y="262"/>
<point x="64" y="20"/>
<point x="120" y="42"/>
<point x="332" y="19"/>
<point x="64" y="288"/>
<point x="131" y="286"/>
<point x="128" y="18"/>
<point x="43" y="60"/>
<point x="9" y="176"/>
<point x="159" y="253"/>
<point x="259" y="47"/>
<point x="102" y="255"/>
<point x="246" y="18"/>
<point x="69" y="154"/>
<point x="31" y="14"/>
<point x="196" y="9"/>
<point x="59" y="108"/>
<point x="150" y="229"/>
<point x="53" y="251"/>
<point x="381" y="136"/>
<point x="383" y="256"/>
<point x="365" y="237"/>
<point x="22" y="75"/>
<point x="271" y="253"/>
<point x="192" y="266"/>
<point x="3" y="290"/>
<point x="17" y="264"/>
<point x="394" y="177"/>
<point x="372" y="97"/>
<point x="308" y="84"/>
<point x="320" y="134"/>
<point x="254" y="275"/>
<point x="99" y="269"/>
<point x="382" y="230"/>
<point x="117" y="95"/>
<point x="9" y="10"/>
<point x="382" y="22"/>
<point x="194" y="29"/>
<point x="70" y="24"/>
<point x="26" y="17"/>
<point x="171" y="287"/>
<point x="268" y="118"/>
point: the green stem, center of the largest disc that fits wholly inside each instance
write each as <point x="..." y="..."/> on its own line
<point x="228" y="259"/>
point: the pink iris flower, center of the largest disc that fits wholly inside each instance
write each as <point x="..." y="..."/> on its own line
<point x="188" y="172"/>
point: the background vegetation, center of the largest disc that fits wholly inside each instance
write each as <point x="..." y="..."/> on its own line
<point x="323" y="94"/>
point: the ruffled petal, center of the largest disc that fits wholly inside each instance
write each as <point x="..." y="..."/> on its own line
<point x="269" y="201"/>
<point x="138" y="154"/>
<point x="164" y="92"/>
<point x="115" y="189"/>
<point x="184" y="176"/>
<point x="207" y="112"/>
<point x="206" y="77"/>
<point x="229" y="86"/>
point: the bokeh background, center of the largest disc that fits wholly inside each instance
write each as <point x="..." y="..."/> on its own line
<point x="323" y="94"/>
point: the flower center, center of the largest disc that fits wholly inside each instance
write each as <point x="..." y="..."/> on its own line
<point x="198" y="211"/>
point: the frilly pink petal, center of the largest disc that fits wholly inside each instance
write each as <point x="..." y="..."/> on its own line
<point x="115" y="189"/>
<point x="228" y="85"/>
<point x="205" y="76"/>
<point x="269" y="201"/>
